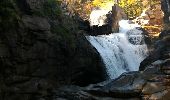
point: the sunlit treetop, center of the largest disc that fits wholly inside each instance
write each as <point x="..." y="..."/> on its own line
<point x="106" y="4"/>
<point x="132" y="8"/>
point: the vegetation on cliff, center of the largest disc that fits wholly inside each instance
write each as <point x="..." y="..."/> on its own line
<point x="9" y="16"/>
<point x="52" y="8"/>
<point x="39" y="39"/>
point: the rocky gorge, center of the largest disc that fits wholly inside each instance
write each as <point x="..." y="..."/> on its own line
<point x="45" y="56"/>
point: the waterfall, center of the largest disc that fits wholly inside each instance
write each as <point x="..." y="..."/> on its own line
<point x="121" y="52"/>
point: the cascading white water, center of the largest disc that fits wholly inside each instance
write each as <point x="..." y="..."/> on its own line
<point x="118" y="54"/>
<point x="98" y="17"/>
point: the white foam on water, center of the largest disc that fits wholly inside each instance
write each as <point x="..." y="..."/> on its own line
<point x="118" y="54"/>
<point x="98" y="17"/>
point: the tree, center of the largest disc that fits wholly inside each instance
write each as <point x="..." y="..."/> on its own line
<point x="132" y="8"/>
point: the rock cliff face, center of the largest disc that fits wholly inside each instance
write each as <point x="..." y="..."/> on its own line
<point x="165" y="5"/>
<point x="155" y="22"/>
<point x="41" y="49"/>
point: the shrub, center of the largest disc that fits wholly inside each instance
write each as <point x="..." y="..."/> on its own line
<point x="52" y="8"/>
<point x="8" y="15"/>
<point x="102" y="3"/>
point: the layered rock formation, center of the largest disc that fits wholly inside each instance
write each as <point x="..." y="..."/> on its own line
<point x="41" y="49"/>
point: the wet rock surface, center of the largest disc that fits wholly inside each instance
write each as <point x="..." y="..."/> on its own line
<point x="151" y="83"/>
<point x="140" y="35"/>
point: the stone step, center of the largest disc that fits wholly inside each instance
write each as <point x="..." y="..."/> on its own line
<point x="166" y="76"/>
<point x="4" y="52"/>
<point x="167" y="55"/>
<point x="166" y="52"/>
<point x="167" y="48"/>
<point x="167" y="72"/>
<point x="164" y="68"/>
<point x="166" y="65"/>
<point x="166" y="82"/>
<point x="152" y="87"/>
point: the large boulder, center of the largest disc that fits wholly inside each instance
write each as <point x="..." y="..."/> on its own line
<point x="161" y="52"/>
<point x="117" y="15"/>
<point x="36" y="23"/>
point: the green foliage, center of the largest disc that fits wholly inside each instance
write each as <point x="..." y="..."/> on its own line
<point x="153" y="2"/>
<point x="52" y="8"/>
<point x="132" y="8"/>
<point x="65" y="34"/>
<point x="60" y="30"/>
<point x="63" y="27"/>
<point x="103" y="3"/>
<point x="8" y="15"/>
